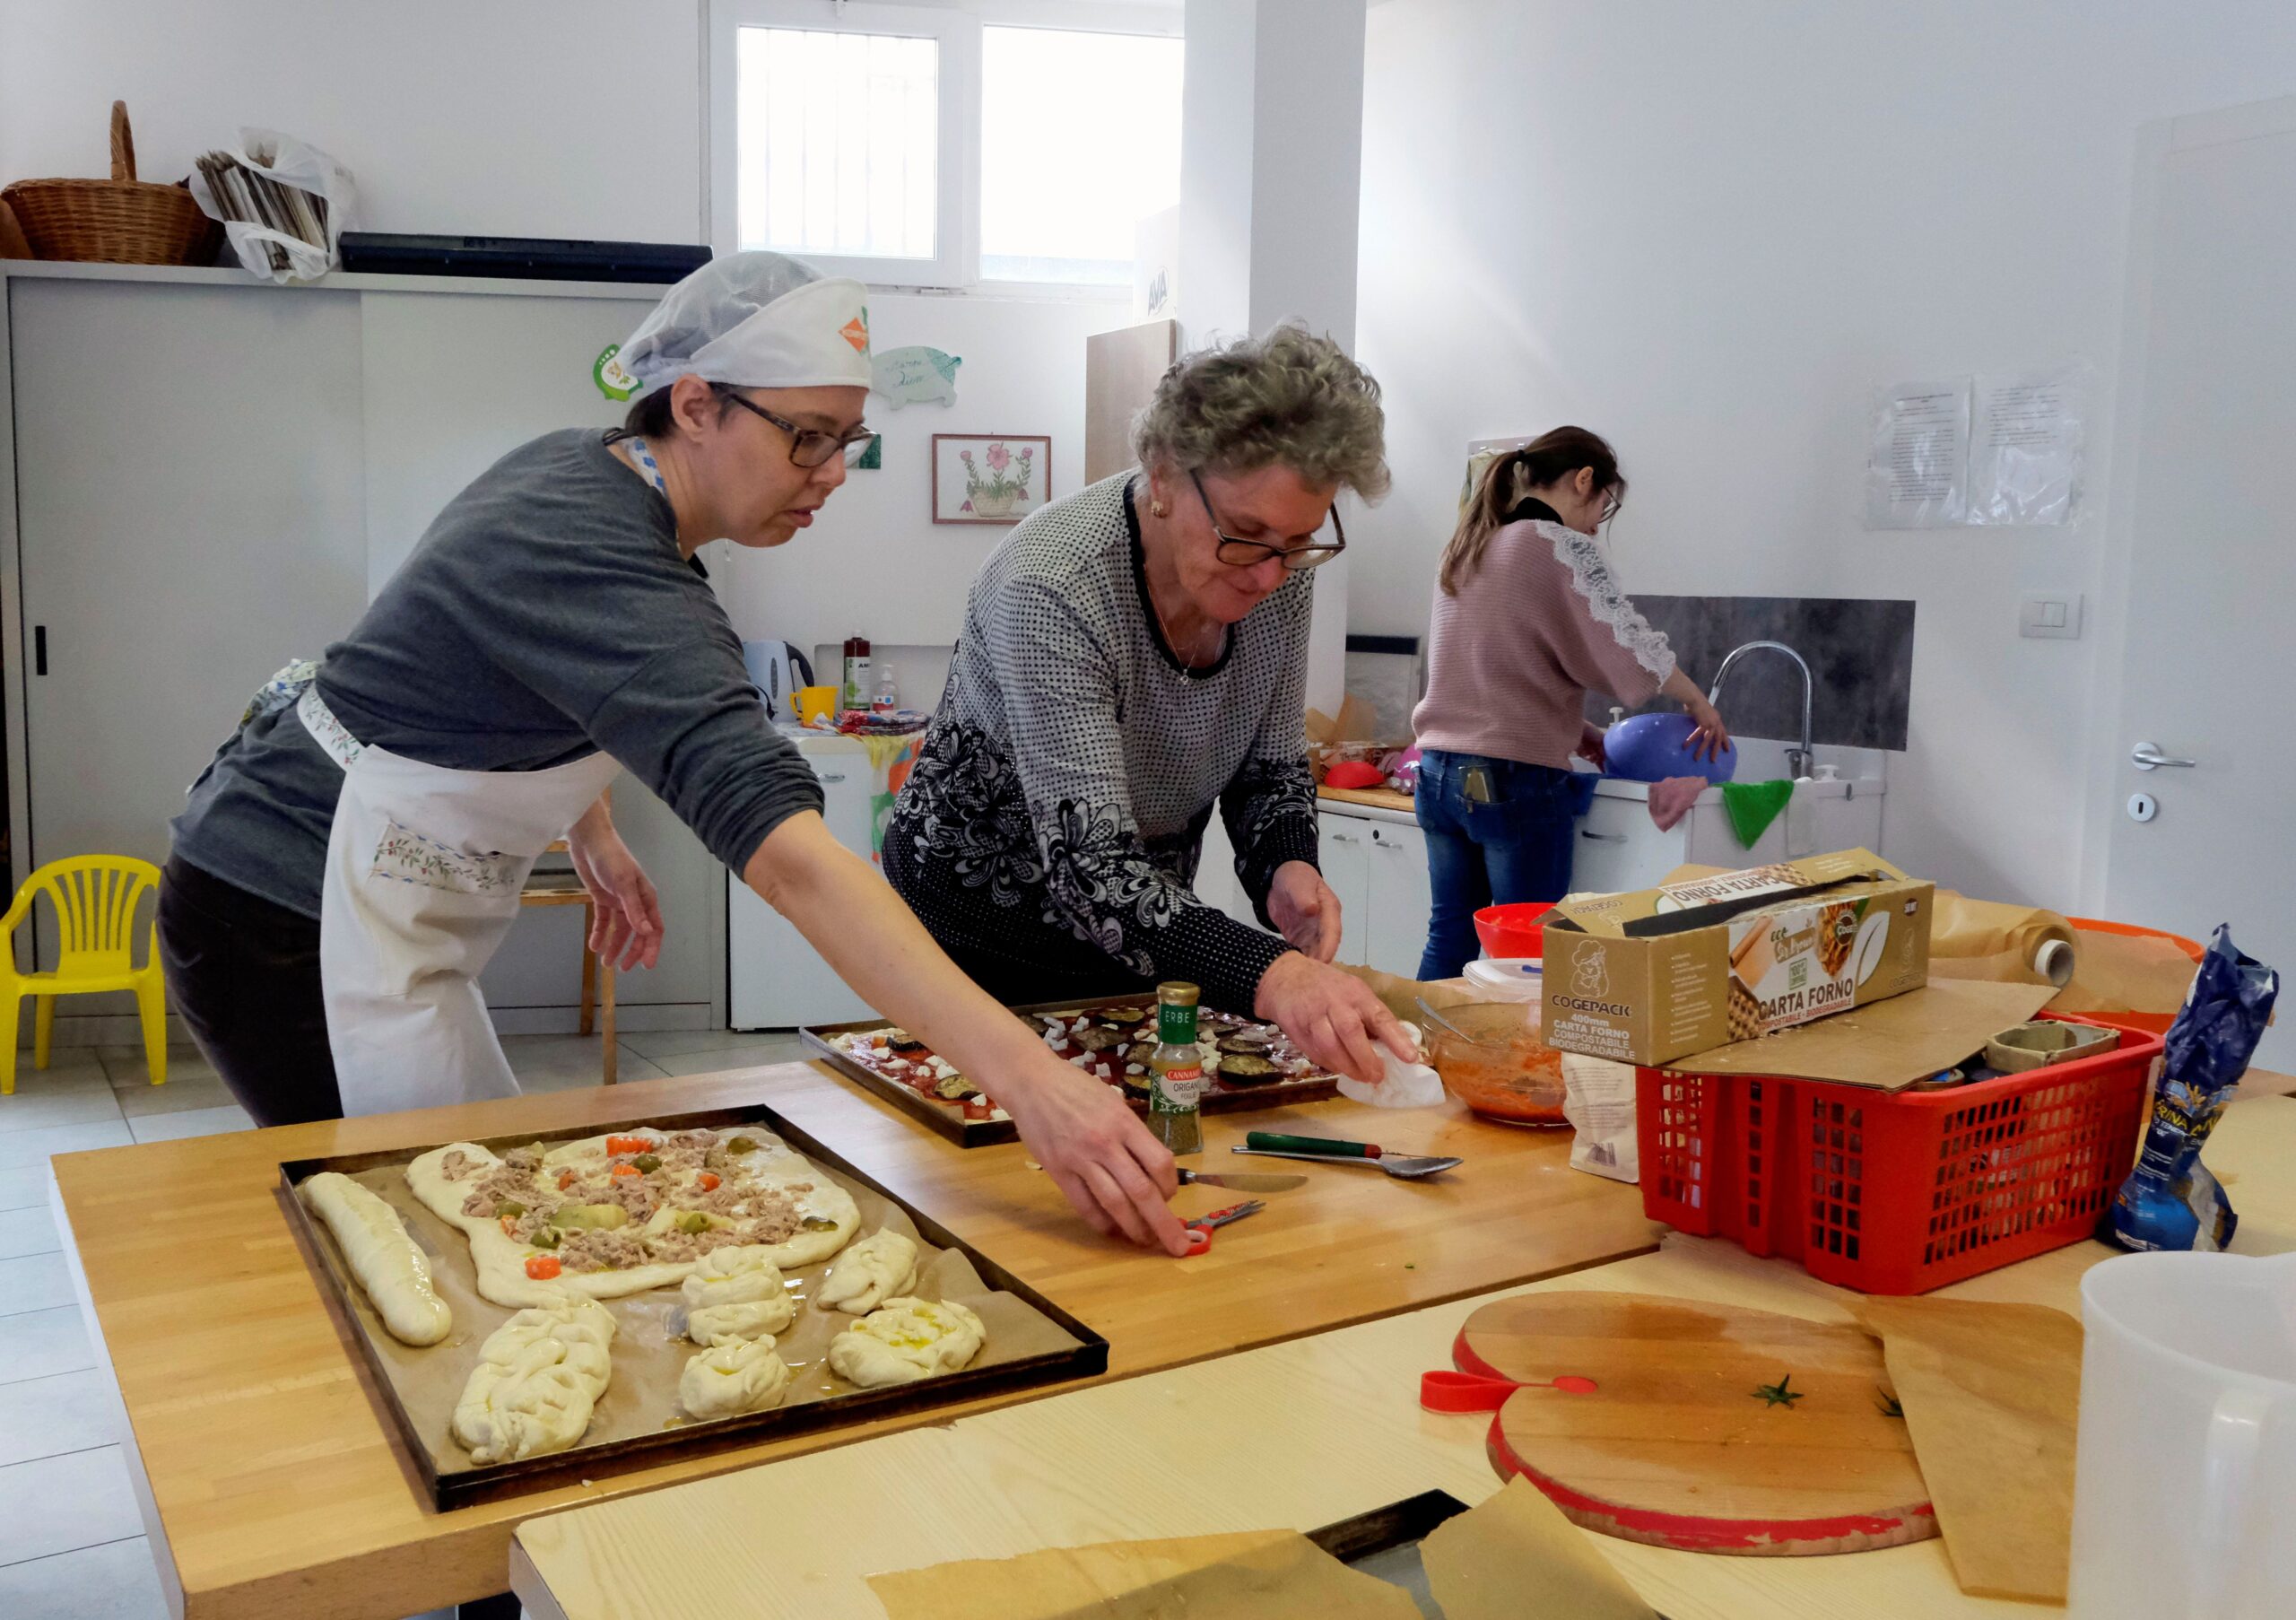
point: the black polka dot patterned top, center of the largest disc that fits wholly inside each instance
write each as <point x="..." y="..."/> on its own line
<point x="1049" y="835"/>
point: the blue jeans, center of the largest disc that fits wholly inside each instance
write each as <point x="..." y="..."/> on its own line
<point x="1516" y="847"/>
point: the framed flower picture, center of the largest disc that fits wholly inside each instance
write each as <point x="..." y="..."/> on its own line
<point x="989" y="478"/>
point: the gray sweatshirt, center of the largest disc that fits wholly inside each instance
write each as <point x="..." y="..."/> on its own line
<point x="545" y="615"/>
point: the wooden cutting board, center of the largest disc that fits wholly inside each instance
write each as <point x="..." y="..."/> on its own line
<point x="1679" y="1446"/>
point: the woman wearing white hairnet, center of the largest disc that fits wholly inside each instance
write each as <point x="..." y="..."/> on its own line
<point x="351" y="860"/>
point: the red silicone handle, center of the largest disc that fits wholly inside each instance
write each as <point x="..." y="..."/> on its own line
<point x="1449" y="1391"/>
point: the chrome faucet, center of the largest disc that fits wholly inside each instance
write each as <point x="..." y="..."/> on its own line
<point x="1797" y="760"/>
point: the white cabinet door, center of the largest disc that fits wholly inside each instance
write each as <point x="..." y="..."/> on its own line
<point x="777" y="981"/>
<point x="1400" y="900"/>
<point x="1618" y="849"/>
<point x="1344" y="853"/>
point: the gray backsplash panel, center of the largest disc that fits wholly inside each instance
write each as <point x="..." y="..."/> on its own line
<point x="1860" y="655"/>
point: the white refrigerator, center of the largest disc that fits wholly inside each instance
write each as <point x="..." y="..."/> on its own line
<point x="775" y="979"/>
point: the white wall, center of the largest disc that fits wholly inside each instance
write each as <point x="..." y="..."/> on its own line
<point x="505" y="117"/>
<point x="875" y="563"/>
<point x="551" y="117"/>
<point x="1706" y="231"/>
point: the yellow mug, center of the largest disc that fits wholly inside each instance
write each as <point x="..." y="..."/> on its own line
<point x="816" y="704"/>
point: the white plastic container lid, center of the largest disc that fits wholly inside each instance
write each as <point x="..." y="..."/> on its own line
<point x="1506" y="978"/>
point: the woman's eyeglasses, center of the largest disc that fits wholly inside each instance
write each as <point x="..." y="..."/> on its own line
<point x="808" y="447"/>
<point x="1251" y="554"/>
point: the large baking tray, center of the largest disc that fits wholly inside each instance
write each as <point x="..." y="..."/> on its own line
<point x="462" y="1488"/>
<point x="983" y="1132"/>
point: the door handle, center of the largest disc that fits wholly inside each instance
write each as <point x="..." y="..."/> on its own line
<point x="2147" y="756"/>
<point x="1604" y="838"/>
<point x="838" y="778"/>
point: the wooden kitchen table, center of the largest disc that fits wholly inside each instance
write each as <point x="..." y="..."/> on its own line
<point x="1293" y="1436"/>
<point x="274" y="1488"/>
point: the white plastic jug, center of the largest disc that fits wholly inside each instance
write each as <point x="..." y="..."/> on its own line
<point x="2184" y="1503"/>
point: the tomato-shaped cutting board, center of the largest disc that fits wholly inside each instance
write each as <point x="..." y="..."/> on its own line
<point x="1710" y="1428"/>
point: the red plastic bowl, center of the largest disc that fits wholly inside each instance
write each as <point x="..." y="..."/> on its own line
<point x="1513" y="930"/>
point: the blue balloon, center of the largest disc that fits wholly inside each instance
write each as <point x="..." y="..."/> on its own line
<point x="1652" y="747"/>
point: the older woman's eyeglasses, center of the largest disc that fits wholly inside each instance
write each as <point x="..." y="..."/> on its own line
<point x="808" y="447"/>
<point x="1251" y="554"/>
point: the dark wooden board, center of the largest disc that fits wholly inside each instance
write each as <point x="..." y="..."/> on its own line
<point x="951" y="1122"/>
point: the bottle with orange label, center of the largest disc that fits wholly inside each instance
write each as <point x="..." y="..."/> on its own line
<point x="1176" y="1081"/>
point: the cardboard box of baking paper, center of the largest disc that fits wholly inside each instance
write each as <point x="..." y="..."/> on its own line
<point x="1652" y="976"/>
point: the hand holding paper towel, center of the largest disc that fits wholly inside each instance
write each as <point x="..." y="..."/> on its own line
<point x="1403" y="1086"/>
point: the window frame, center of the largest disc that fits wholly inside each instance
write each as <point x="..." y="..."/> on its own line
<point x="957" y="25"/>
<point x="956" y="255"/>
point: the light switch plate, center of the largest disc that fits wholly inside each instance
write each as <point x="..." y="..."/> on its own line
<point x="2050" y="618"/>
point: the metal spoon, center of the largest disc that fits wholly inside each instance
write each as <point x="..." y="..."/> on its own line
<point x="1324" y="1150"/>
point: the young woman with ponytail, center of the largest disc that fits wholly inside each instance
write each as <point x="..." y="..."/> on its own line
<point x="1529" y="619"/>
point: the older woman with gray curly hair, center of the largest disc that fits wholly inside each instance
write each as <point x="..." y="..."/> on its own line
<point x="1132" y="654"/>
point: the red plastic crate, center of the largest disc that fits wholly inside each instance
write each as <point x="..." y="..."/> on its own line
<point x="1895" y="1194"/>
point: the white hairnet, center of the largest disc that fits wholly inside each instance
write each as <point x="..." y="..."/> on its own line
<point x="756" y="320"/>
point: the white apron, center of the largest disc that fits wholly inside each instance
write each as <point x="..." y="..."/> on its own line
<point x="423" y="870"/>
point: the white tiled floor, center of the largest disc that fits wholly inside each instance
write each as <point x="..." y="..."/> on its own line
<point x="72" y="1545"/>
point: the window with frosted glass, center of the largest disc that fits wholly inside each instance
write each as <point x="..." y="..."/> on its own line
<point x="838" y="138"/>
<point x="1080" y="138"/>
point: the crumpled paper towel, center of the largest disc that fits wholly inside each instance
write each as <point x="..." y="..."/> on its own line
<point x="1403" y="1086"/>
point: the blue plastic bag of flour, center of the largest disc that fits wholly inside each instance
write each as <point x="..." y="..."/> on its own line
<point x="2169" y="1201"/>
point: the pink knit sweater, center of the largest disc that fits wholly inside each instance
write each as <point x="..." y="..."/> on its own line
<point x="1510" y="659"/>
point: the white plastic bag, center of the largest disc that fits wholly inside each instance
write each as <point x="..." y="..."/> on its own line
<point x="320" y="190"/>
<point x="1598" y="1099"/>
<point x="1916" y="460"/>
<point x="2028" y="445"/>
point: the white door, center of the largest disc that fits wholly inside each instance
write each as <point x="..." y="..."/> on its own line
<point x="1344" y="853"/>
<point x="2211" y="533"/>
<point x="1400" y="900"/>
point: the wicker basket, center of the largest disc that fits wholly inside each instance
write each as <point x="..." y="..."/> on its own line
<point x="120" y="221"/>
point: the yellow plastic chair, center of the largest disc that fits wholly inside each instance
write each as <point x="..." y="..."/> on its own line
<point x="94" y="897"/>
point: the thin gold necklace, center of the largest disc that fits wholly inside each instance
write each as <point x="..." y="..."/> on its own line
<point x="1192" y="655"/>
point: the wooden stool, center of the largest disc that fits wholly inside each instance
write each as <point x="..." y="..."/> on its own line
<point x="565" y="889"/>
